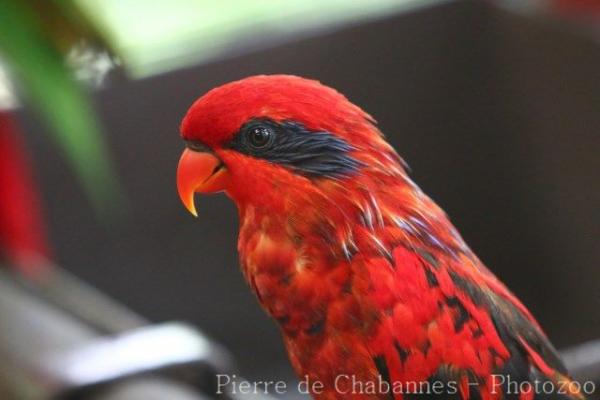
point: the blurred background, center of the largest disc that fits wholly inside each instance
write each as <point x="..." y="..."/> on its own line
<point x="495" y="105"/>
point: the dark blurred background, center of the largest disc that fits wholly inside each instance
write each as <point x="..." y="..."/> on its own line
<point x="497" y="113"/>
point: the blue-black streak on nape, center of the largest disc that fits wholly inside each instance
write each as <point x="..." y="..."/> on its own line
<point x="309" y="153"/>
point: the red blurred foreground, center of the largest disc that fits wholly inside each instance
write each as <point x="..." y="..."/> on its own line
<point x="22" y="231"/>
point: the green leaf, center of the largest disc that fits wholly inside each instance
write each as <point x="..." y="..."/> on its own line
<point x="35" y="59"/>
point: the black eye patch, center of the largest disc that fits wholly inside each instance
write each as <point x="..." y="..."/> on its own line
<point x="289" y="143"/>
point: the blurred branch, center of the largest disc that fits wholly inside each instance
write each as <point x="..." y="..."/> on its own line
<point x="583" y="360"/>
<point x="98" y="349"/>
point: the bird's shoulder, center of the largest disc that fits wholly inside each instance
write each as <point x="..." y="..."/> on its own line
<point x="444" y="316"/>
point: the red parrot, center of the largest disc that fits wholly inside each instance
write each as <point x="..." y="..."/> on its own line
<point x="374" y="290"/>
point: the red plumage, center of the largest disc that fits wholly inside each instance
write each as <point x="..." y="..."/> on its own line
<point x="365" y="275"/>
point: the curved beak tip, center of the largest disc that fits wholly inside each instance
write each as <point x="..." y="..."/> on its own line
<point x="199" y="172"/>
<point x="187" y="198"/>
<point x="191" y="206"/>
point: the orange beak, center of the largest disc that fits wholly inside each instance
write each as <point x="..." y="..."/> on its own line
<point x="199" y="172"/>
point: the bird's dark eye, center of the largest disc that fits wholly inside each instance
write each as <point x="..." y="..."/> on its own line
<point x="260" y="136"/>
<point x="314" y="154"/>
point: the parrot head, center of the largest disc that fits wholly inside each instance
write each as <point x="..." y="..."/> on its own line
<point x="265" y="139"/>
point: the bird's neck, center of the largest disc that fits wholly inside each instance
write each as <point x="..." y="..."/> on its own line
<point x="301" y="258"/>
